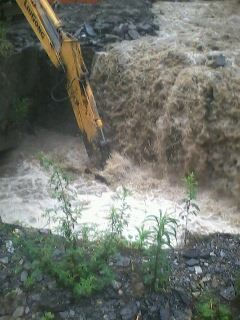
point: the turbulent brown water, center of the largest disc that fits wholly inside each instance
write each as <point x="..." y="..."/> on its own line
<point x="177" y="102"/>
<point x="24" y="195"/>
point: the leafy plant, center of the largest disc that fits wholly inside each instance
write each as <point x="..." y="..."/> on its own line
<point x="210" y="308"/>
<point x="190" y="207"/>
<point x="142" y="236"/>
<point x="119" y="215"/>
<point x="157" y="268"/>
<point x="5" y="45"/>
<point x="64" y="213"/>
<point x="30" y="282"/>
<point x="48" y="316"/>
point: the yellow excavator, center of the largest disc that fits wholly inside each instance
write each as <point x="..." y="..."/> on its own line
<point x="64" y="52"/>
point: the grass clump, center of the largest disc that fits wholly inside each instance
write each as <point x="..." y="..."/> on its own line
<point x="48" y="316"/>
<point x="210" y="308"/>
<point x="142" y="237"/>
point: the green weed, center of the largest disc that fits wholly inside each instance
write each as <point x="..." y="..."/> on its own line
<point x="190" y="207"/>
<point x="48" y="316"/>
<point x="65" y="214"/>
<point x="119" y="215"/>
<point x="142" y="237"/>
<point x="210" y="308"/>
<point x="157" y="269"/>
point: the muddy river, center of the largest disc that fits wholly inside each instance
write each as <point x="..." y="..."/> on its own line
<point x="24" y="189"/>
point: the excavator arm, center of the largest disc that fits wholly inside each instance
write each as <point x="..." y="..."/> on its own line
<point x="64" y="51"/>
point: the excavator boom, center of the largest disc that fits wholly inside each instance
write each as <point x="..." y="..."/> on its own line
<point x="64" y="51"/>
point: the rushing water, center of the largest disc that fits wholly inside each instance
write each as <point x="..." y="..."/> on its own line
<point x="24" y="191"/>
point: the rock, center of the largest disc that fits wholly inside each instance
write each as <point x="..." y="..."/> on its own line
<point x="122" y="261"/>
<point x="36" y="297"/>
<point x="229" y="293"/>
<point x="130" y="311"/>
<point x="9" y="246"/>
<point x="44" y="231"/>
<point x="114" y="19"/>
<point x="120" y="292"/>
<point x="192" y="262"/>
<point x="72" y="313"/>
<point x="3" y="276"/>
<point x="89" y="30"/>
<point x="103" y="27"/>
<point x="12" y="300"/>
<point x="184" y="296"/>
<point x="110" y="37"/>
<point x="222" y="254"/>
<point x="191" y="253"/>
<point x="164" y="312"/>
<point x="54" y="303"/>
<point x="195" y="253"/>
<point x="183" y="315"/>
<point x="52" y="284"/>
<point x="206" y="278"/>
<point x="64" y="315"/>
<point x="21" y="262"/>
<point x="4" y="260"/>
<point x="138" y="289"/>
<point x="191" y="269"/>
<point x="27" y="265"/>
<point x="116" y="285"/>
<point x="133" y="34"/>
<point x="27" y="310"/>
<point x="219" y="268"/>
<point x="215" y="282"/>
<point x="146" y="27"/>
<point x="24" y="276"/>
<point x="217" y="60"/>
<point x="196" y="294"/>
<point x="198" y="270"/>
<point x="39" y="277"/>
<point x="123" y="28"/>
<point x="19" y="312"/>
